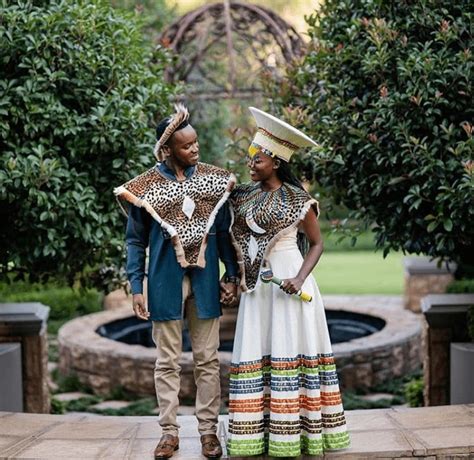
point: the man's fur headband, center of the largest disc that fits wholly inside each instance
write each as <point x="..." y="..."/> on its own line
<point x="176" y="120"/>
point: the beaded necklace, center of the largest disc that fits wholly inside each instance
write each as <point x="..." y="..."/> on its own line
<point x="264" y="204"/>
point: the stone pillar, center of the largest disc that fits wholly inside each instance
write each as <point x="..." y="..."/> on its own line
<point x="445" y="322"/>
<point x="423" y="277"/>
<point x="26" y="323"/>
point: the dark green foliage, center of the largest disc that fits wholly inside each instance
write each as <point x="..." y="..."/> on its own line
<point x="79" y="95"/>
<point x="465" y="286"/>
<point x="65" y="303"/>
<point x="414" y="392"/>
<point x="386" y="88"/>
<point x="53" y="348"/>
<point x="352" y="401"/>
<point x="81" y="404"/>
<point x="470" y="322"/>
<point x="119" y="392"/>
<point x="69" y="383"/>
<point x="141" y="407"/>
<point x="57" y="407"/>
<point x="138" y="405"/>
<point x="154" y="15"/>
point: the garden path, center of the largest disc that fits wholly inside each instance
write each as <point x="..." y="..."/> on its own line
<point x="398" y="433"/>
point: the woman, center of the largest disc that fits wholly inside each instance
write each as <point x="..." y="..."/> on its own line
<point x="284" y="392"/>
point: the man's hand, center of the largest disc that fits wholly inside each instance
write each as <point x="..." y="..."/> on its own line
<point x="228" y="293"/>
<point x="139" y="307"/>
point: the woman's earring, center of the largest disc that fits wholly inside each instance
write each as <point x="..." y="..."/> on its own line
<point x="276" y="164"/>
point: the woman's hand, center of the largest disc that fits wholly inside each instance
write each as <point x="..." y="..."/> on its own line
<point x="292" y="285"/>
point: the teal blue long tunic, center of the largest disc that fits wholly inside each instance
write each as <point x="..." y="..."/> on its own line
<point x="165" y="275"/>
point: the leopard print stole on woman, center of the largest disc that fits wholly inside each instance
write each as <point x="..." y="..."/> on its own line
<point x="260" y="220"/>
<point x="185" y="209"/>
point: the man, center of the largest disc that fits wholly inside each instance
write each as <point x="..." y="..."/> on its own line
<point x="179" y="212"/>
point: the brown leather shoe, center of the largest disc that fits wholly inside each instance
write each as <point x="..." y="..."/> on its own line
<point x="166" y="447"/>
<point x="211" y="447"/>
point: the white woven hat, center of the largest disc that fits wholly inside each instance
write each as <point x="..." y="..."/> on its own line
<point x="278" y="137"/>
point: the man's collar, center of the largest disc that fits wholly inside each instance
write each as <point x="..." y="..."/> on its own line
<point x="169" y="173"/>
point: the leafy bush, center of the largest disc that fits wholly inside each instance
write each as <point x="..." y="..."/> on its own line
<point x="57" y="407"/>
<point x="470" y="322"/>
<point x="464" y="286"/>
<point x="414" y="392"/>
<point x="79" y="95"/>
<point x="65" y="302"/>
<point x="386" y="88"/>
<point x="154" y="14"/>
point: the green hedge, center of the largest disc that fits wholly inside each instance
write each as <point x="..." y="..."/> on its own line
<point x="80" y="92"/>
<point x="65" y="302"/>
<point x="386" y="89"/>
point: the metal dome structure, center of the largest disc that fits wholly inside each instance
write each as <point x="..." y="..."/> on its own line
<point x="223" y="49"/>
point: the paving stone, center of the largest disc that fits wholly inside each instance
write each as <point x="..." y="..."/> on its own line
<point x="71" y="396"/>
<point x="189" y="448"/>
<point x="374" y="434"/>
<point x="375" y="442"/>
<point x="85" y="414"/>
<point x="111" y="405"/>
<point x="90" y="428"/>
<point x="376" y="396"/>
<point x="7" y="441"/>
<point x="455" y="440"/>
<point x="65" y="448"/>
<point x="52" y="385"/>
<point x="425" y="417"/>
<point x="369" y="420"/>
<point x="186" y="410"/>
<point x="52" y="366"/>
<point x="19" y="424"/>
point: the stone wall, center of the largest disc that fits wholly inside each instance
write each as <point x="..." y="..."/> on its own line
<point x="423" y="277"/>
<point x="104" y="364"/>
<point x="445" y="322"/>
<point x="366" y="369"/>
<point x="392" y="352"/>
<point x="25" y="323"/>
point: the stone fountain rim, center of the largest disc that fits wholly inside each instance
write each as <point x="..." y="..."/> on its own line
<point x="401" y="326"/>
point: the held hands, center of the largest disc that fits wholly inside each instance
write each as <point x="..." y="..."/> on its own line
<point x="292" y="285"/>
<point x="228" y="294"/>
<point x="140" y="308"/>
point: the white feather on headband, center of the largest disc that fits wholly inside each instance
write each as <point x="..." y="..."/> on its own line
<point x="177" y="118"/>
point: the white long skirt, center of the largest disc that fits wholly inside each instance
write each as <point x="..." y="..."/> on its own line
<point x="284" y="394"/>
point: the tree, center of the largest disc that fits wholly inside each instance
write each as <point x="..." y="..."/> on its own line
<point x="80" y="93"/>
<point x="386" y="88"/>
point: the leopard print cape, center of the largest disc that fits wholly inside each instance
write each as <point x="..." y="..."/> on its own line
<point x="185" y="209"/>
<point x="260" y="219"/>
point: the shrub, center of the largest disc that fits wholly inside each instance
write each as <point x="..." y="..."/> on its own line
<point x="414" y="392"/>
<point x="57" y="407"/>
<point x="386" y="88"/>
<point x="65" y="303"/>
<point x="79" y="95"/>
<point x="154" y="14"/>
<point x="464" y="286"/>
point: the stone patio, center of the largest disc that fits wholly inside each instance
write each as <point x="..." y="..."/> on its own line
<point x="444" y="432"/>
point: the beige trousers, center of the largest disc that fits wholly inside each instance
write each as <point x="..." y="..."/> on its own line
<point x="204" y="334"/>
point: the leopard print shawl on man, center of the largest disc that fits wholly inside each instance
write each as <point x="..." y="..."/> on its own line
<point x="260" y="220"/>
<point x="185" y="209"/>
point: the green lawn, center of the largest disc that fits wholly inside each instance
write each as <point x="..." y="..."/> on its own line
<point x="359" y="272"/>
